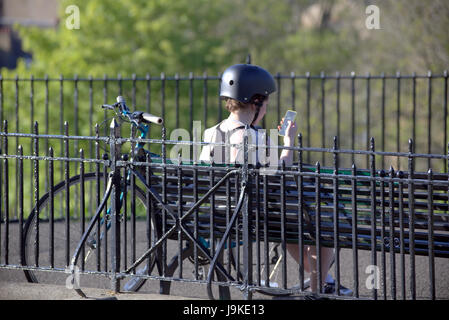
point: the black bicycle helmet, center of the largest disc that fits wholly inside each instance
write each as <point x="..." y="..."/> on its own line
<point x="242" y="81"/>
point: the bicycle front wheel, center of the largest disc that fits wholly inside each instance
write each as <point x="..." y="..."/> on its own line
<point x="50" y="243"/>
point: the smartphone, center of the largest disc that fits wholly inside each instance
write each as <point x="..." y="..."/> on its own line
<point x="289" y="115"/>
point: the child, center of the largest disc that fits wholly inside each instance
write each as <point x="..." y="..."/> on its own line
<point x="246" y="89"/>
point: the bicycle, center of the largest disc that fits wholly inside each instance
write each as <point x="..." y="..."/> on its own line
<point x="63" y="233"/>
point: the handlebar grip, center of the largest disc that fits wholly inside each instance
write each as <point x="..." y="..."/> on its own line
<point x="148" y="117"/>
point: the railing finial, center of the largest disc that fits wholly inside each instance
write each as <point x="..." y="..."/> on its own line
<point x="248" y="58"/>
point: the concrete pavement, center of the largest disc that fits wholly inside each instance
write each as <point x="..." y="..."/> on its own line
<point x="38" y="291"/>
<point x="13" y="284"/>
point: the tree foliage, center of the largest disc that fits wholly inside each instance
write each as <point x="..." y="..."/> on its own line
<point x="138" y="36"/>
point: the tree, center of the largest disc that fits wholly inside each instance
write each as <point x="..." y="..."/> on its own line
<point x="131" y="37"/>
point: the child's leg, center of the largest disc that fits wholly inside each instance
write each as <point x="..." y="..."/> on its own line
<point x="326" y="257"/>
<point x="293" y="249"/>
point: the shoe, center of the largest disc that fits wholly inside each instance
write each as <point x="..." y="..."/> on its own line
<point x="330" y="288"/>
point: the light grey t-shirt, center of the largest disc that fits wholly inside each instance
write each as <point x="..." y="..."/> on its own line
<point x="227" y="130"/>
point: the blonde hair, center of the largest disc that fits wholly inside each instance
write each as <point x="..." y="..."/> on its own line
<point x="233" y="105"/>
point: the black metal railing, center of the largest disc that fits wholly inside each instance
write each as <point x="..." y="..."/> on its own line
<point x="405" y="173"/>
<point x="181" y="216"/>
<point x="390" y="108"/>
<point x="355" y="107"/>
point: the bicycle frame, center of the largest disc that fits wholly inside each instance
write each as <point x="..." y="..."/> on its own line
<point x="112" y="180"/>
<point x="113" y="186"/>
<point x="143" y="128"/>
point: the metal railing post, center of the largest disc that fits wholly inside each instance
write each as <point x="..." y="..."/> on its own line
<point x="246" y="234"/>
<point x="115" y="206"/>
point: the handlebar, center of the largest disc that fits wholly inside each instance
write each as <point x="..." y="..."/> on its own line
<point x="148" y="117"/>
<point x="133" y="116"/>
<point x="108" y="106"/>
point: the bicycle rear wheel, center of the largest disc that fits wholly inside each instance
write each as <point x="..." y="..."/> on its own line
<point x="51" y="246"/>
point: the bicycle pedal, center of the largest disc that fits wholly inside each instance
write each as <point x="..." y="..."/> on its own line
<point x="87" y="255"/>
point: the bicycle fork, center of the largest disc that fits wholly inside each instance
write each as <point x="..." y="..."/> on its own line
<point x="89" y="229"/>
<point x="91" y="241"/>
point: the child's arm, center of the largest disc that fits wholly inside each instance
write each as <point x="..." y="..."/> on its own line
<point x="289" y="141"/>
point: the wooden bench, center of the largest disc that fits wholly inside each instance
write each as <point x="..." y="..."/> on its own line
<point x="293" y="206"/>
<point x="393" y="195"/>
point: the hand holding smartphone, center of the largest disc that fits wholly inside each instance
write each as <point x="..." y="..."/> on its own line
<point x="290" y="115"/>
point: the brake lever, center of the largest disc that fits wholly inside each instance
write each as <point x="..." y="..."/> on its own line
<point x="108" y="106"/>
<point x="135" y="117"/>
